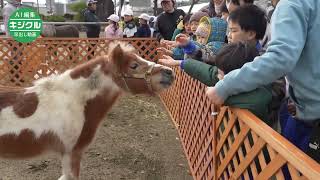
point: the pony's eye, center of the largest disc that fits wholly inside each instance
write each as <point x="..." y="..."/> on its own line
<point x="134" y="66"/>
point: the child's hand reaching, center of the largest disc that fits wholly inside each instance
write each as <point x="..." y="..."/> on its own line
<point x="182" y="40"/>
<point x="168" y="43"/>
<point x="169" y="61"/>
<point x="164" y="51"/>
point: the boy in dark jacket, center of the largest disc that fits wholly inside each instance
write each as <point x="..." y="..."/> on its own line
<point x="230" y="57"/>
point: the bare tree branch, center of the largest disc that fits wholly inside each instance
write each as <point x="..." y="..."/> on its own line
<point x="193" y="3"/>
<point x="120" y="8"/>
<point x="155" y="7"/>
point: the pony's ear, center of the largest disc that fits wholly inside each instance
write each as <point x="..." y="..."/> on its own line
<point x="117" y="58"/>
<point x="117" y="53"/>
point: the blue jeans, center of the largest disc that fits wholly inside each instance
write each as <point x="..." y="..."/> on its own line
<point x="296" y="131"/>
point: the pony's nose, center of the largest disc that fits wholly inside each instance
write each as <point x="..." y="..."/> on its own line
<point x="167" y="72"/>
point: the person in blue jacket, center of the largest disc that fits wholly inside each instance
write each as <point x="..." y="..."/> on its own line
<point x="144" y="28"/>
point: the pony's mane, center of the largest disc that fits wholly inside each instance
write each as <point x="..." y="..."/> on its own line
<point x="127" y="48"/>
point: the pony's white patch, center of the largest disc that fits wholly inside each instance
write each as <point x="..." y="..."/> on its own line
<point x="61" y="106"/>
<point x="150" y="63"/>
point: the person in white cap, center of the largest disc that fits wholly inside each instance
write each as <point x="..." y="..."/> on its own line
<point x="144" y="29"/>
<point x="130" y="27"/>
<point x="7" y="11"/>
<point x="113" y="30"/>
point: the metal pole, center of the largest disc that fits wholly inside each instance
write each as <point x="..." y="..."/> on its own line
<point x="38" y="6"/>
<point x="155" y="7"/>
<point x="50" y="4"/>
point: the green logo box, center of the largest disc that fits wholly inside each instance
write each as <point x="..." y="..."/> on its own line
<point x="25" y="25"/>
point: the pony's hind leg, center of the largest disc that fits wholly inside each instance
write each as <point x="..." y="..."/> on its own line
<point x="71" y="166"/>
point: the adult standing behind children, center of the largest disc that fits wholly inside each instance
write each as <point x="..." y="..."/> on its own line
<point x="8" y="9"/>
<point x="292" y="51"/>
<point x="130" y="27"/>
<point x="113" y="30"/>
<point x="168" y="20"/>
<point x="213" y="9"/>
<point x="234" y="4"/>
<point x="93" y="30"/>
<point x="144" y="28"/>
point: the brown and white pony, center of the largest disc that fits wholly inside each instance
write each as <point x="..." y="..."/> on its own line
<point x="61" y="113"/>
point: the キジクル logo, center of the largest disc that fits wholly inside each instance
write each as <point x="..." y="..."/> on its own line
<point x="25" y="25"/>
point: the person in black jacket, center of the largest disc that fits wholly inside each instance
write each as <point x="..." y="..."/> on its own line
<point x="144" y="29"/>
<point x="168" y="20"/>
<point x="93" y="30"/>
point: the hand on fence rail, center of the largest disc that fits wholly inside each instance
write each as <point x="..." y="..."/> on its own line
<point x="213" y="96"/>
<point x="170" y="44"/>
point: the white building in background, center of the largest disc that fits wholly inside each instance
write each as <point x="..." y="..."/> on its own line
<point x="146" y="6"/>
<point x="60" y="8"/>
<point x="137" y="6"/>
<point x="195" y="8"/>
<point x="33" y="3"/>
<point x="50" y="6"/>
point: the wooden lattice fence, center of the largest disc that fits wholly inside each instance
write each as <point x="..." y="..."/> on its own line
<point x="228" y="143"/>
<point x="22" y="63"/>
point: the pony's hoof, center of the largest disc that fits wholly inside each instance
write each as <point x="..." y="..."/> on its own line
<point x="63" y="177"/>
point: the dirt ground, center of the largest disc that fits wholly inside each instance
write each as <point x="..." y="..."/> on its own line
<point x="136" y="141"/>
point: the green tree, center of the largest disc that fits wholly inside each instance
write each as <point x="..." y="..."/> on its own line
<point x="77" y="8"/>
<point x="104" y="9"/>
<point x="54" y="18"/>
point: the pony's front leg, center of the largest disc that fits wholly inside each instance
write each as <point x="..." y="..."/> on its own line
<point x="71" y="166"/>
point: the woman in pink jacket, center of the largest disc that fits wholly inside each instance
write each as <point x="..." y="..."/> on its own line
<point x="113" y="30"/>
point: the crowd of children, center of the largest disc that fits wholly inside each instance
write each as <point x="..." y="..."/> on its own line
<point x="126" y="27"/>
<point x="223" y="38"/>
<point x="207" y="48"/>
